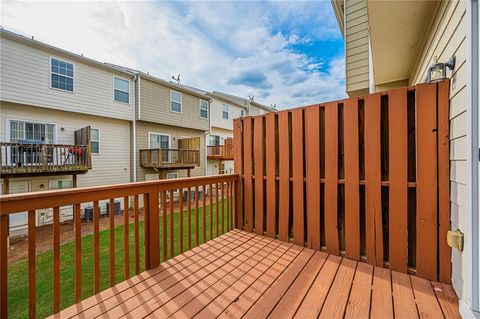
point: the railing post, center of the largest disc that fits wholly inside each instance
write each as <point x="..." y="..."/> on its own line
<point x="152" y="248"/>
<point x="3" y="265"/>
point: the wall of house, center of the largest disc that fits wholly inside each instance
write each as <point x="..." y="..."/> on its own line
<point x="213" y="165"/>
<point x="356" y="46"/>
<point x="255" y="110"/>
<point x="447" y="37"/>
<point x="25" y="78"/>
<point x="143" y="128"/>
<point x="110" y="166"/>
<point x="216" y="114"/>
<point x="155" y="107"/>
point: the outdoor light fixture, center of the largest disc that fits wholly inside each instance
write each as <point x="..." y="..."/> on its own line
<point x="438" y="71"/>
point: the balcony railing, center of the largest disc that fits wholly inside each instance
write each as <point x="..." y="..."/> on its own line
<point x="30" y="159"/>
<point x="169" y="158"/>
<point x="163" y="225"/>
<point x="224" y="152"/>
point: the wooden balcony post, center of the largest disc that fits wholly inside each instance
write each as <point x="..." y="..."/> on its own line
<point x="152" y="241"/>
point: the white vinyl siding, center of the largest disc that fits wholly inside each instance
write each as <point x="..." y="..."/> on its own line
<point x="204" y="109"/>
<point x="26" y="79"/>
<point x="121" y="90"/>
<point x="447" y="37"/>
<point x="175" y="102"/>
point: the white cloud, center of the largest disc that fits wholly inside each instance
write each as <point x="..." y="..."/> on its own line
<point x="209" y="43"/>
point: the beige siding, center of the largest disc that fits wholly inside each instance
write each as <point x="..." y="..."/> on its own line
<point x="143" y="128"/>
<point x="447" y="37"/>
<point x="110" y="166"/>
<point x="356" y="45"/>
<point x="255" y="110"/>
<point x="155" y="107"/>
<point x="25" y="79"/>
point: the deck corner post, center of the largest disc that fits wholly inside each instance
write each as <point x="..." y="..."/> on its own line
<point x="152" y="241"/>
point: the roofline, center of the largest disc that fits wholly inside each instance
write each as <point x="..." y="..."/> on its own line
<point x="172" y="85"/>
<point x="215" y="94"/>
<point x="42" y="45"/>
<point x="339" y="14"/>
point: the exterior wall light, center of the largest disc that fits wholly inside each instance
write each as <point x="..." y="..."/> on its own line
<point x="438" y="71"/>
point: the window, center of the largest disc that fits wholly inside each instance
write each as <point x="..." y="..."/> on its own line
<point x="225" y="112"/>
<point x="214" y="140"/>
<point x="121" y="90"/>
<point x="175" y="102"/>
<point x="95" y="140"/>
<point x="157" y="140"/>
<point x="204" y="109"/>
<point x="172" y="175"/>
<point x="33" y="132"/>
<point x="242" y="113"/>
<point x="61" y="74"/>
<point x="61" y="184"/>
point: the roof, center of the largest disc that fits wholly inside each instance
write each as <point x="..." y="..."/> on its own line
<point x="79" y="57"/>
<point x="240" y="101"/>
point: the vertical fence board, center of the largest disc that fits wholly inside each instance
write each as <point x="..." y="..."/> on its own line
<point x="78" y="252"/>
<point x="96" y="247"/>
<point x="331" y="177"/>
<point x="137" y="234"/>
<point x="270" y="166"/>
<point x="398" y="178"/>
<point x="126" y="238"/>
<point x="4" y="265"/>
<point x="373" y="207"/>
<point x="445" y="251"/>
<point x="312" y="154"/>
<point x="164" y="224"/>
<point x="284" y="176"/>
<point x="426" y="182"/>
<point x="180" y="224"/>
<point x="352" y="179"/>
<point x="32" y="269"/>
<point x="56" y="259"/>
<point x="247" y="164"/>
<point x="297" y="174"/>
<point x="111" y="230"/>
<point x="238" y="168"/>
<point x="258" y="162"/>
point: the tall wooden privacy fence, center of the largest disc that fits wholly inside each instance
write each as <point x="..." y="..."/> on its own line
<point x="367" y="177"/>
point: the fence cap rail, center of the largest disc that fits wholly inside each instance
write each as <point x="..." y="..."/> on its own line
<point x="14" y="203"/>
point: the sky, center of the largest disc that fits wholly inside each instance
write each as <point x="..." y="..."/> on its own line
<point x="287" y="53"/>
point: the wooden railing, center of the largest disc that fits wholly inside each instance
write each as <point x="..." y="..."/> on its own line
<point x="366" y="177"/>
<point x="208" y="202"/>
<point x="162" y="157"/>
<point x="220" y="152"/>
<point x="17" y="158"/>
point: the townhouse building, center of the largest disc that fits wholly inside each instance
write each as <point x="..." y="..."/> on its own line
<point x="224" y="108"/>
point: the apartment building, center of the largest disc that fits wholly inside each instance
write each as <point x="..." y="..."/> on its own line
<point x="224" y="108"/>
<point x="398" y="43"/>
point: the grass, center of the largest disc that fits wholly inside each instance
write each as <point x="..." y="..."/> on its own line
<point x="18" y="272"/>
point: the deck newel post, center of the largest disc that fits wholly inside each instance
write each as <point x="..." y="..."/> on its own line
<point x="152" y="248"/>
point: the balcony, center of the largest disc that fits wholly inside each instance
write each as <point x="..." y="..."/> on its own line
<point x="160" y="158"/>
<point x="220" y="152"/>
<point x="332" y="228"/>
<point x="19" y="160"/>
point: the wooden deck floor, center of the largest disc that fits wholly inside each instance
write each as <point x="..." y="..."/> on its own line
<point x="241" y="274"/>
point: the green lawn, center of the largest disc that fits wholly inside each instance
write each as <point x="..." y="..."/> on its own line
<point x="18" y="272"/>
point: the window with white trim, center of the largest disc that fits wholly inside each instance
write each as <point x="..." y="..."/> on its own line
<point x="95" y="140"/>
<point x="204" y="109"/>
<point x="31" y="131"/>
<point x="225" y="111"/>
<point x="242" y="113"/>
<point x="214" y="140"/>
<point x="175" y="102"/>
<point x="121" y="90"/>
<point x="172" y="175"/>
<point x="61" y="75"/>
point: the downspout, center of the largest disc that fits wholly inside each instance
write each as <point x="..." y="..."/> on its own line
<point x="474" y="158"/>
<point x="136" y="80"/>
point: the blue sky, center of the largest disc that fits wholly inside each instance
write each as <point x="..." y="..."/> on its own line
<point x="288" y="53"/>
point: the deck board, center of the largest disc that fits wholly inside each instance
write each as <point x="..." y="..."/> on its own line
<point x="242" y="274"/>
